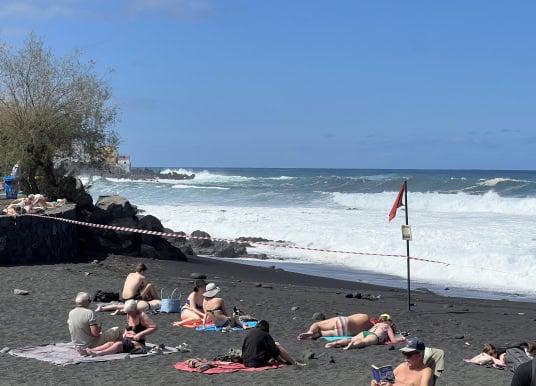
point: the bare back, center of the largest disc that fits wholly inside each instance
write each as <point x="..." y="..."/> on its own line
<point x="134" y="283"/>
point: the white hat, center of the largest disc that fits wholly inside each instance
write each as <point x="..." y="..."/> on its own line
<point x="211" y="290"/>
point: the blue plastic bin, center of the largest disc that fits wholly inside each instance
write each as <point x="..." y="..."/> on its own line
<point x="10" y="187"/>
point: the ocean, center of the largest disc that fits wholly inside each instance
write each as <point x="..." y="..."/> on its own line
<point x="476" y="226"/>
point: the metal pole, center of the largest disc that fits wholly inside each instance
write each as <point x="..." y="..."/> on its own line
<point x="407" y="242"/>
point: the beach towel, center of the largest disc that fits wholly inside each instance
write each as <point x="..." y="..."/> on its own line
<point x="218" y="367"/>
<point x="63" y="354"/>
<point x="214" y="328"/>
<point x="335" y="338"/>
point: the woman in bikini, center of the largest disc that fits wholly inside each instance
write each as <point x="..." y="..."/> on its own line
<point x="214" y="309"/>
<point x="192" y="311"/>
<point x="380" y="333"/>
<point x="139" y="325"/>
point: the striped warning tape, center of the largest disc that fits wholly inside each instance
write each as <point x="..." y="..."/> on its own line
<point x="183" y="235"/>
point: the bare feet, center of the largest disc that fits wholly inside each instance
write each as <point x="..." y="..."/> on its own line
<point x="176" y="324"/>
<point x="99" y="309"/>
<point x="332" y="344"/>
<point x="309" y="335"/>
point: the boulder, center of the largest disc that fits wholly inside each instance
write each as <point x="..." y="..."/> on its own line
<point x="116" y="206"/>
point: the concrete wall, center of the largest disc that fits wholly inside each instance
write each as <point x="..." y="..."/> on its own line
<point x="31" y="239"/>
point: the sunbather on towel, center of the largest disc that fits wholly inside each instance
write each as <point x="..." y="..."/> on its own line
<point x="259" y="348"/>
<point x="142" y="305"/>
<point x="380" y="333"/>
<point x="139" y="325"/>
<point x="338" y="326"/>
<point x="192" y="310"/>
<point x="214" y="309"/>
<point x="83" y="327"/>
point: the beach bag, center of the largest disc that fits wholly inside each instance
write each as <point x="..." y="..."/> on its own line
<point x="514" y="357"/>
<point x="170" y="304"/>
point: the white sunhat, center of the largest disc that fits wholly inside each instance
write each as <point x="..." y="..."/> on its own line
<point x="211" y="290"/>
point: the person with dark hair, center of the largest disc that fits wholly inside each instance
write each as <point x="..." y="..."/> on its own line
<point x="192" y="310"/>
<point x="136" y="286"/>
<point x="259" y="348"/>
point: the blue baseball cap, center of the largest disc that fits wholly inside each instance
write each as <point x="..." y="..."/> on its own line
<point x="413" y="344"/>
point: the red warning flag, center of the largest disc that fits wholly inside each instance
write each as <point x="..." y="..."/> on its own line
<point x="398" y="203"/>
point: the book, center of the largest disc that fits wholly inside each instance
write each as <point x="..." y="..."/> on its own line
<point x="383" y="374"/>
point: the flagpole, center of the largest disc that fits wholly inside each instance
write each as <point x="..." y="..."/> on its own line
<point x="407" y="242"/>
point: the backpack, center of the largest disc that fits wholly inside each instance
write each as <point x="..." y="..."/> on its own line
<point x="514" y="357"/>
<point x="106" y="297"/>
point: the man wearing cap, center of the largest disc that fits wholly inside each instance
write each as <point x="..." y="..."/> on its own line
<point x="412" y="371"/>
<point x="83" y="327"/>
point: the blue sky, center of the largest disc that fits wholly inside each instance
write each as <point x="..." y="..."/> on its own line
<point x="306" y="83"/>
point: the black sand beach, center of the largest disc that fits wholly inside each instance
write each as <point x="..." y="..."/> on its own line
<point x="458" y="326"/>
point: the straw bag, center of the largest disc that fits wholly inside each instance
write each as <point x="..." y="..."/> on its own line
<point x="171" y="304"/>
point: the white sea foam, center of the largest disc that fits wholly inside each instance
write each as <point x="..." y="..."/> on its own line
<point x="486" y="239"/>
<point x="486" y="252"/>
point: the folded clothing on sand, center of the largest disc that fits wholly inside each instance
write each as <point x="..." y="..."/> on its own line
<point x="214" y="328"/>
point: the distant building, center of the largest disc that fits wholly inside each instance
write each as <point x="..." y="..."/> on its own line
<point x="123" y="161"/>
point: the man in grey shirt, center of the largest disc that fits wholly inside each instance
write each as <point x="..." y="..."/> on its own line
<point x="85" y="332"/>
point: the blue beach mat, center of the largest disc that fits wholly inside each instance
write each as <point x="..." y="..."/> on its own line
<point x="214" y="328"/>
<point x="334" y="338"/>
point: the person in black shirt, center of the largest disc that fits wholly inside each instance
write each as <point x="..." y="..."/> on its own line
<point x="259" y="348"/>
<point x="523" y="374"/>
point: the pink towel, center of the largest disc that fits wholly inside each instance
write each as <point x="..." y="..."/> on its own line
<point x="224" y="367"/>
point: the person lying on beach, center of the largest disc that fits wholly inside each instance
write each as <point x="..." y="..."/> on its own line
<point x="490" y="355"/>
<point x="142" y="305"/>
<point x="380" y="333"/>
<point x="42" y="201"/>
<point x="412" y="371"/>
<point x="214" y="308"/>
<point x="18" y="206"/>
<point x="259" y="348"/>
<point x="139" y="325"/>
<point x="136" y="288"/>
<point x="338" y="326"/>
<point x="192" y="310"/>
<point x="83" y="327"/>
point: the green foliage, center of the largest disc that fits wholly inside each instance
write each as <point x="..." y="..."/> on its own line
<point x="53" y="112"/>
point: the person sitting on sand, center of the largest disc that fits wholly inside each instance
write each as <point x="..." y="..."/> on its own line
<point x="380" y="333"/>
<point x="139" y="325"/>
<point x="83" y="327"/>
<point x="412" y="371"/>
<point x="137" y="288"/>
<point x="192" y="310"/>
<point x="259" y="348"/>
<point x="338" y="326"/>
<point x="214" y="308"/>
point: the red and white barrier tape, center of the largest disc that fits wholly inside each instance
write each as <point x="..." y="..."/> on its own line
<point x="183" y="235"/>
